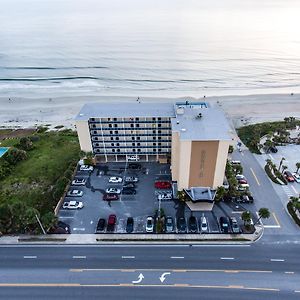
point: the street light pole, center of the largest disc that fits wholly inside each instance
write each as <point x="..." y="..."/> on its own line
<point x="44" y="232"/>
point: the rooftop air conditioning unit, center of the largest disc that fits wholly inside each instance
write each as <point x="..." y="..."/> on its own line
<point x="180" y="110"/>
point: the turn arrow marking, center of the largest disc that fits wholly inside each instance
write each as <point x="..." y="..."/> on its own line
<point x="162" y="278"/>
<point x="141" y="277"/>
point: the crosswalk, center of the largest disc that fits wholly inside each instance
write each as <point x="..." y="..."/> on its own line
<point x="288" y="191"/>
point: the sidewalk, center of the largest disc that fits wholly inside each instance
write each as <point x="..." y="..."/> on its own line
<point x="82" y="239"/>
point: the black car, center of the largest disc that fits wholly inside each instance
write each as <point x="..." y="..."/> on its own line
<point x="134" y="166"/>
<point x="224" y="223"/>
<point x="128" y="191"/>
<point x="129" y="225"/>
<point x="129" y="185"/>
<point x="273" y="149"/>
<point x="192" y="224"/>
<point x="181" y="225"/>
<point x="101" y="225"/>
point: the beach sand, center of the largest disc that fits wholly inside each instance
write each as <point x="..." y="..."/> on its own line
<point x="29" y="112"/>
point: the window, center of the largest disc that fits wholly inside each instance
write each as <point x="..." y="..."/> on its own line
<point x="111" y="132"/>
<point x="139" y="144"/>
<point x="159" y="144"/>
<point x="154" y="144"/>
<point x="159" y="137"/>
<point x="116" y="132"/>
<point x="137" y="125"/>
<point x="154" y="138"/>
<point x="92" y="119"/>
<point x="116" y="125"/>
<point x="159" y="150"/>
<point x="118" y="150"/>
<point x="153" y="119"/>
<point x="111" y="138"/>
<point x="112" y="144"/>
<point x="154" y="150"/>
<point x="108" y="119"/>
<point x="133" y="150"/>
<point x="97" y="144"/>
<point x="137" y="119"/>
<point x="96" y="139"/>
<point x="117" y="138"/>
<point x="159" y="131"/>
<point x="153" y="131"/>
<point x="118" y="144"/>
<point x="109" y="125"/>
<point x="115" y="119"/>
<point x="158" y="119"/>
<point x="113" y="150"/>
<point x="95" y="131"/>
<point x="159" y="125"/>
<point x="139" y="150"/>
<point x="94" y="126"/>
<point x="131" y="125"/>
<point x="132" y="138"/>
<point x="133" y="144"/>
<point x="138" y="138"/>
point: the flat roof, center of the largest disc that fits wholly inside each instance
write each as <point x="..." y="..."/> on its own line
<point x="197" y="123"/>
<point x="125" y="109"/>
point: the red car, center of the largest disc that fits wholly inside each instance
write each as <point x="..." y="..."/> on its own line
<point x="289" y="177"/>
<point x="112" y="220"/>
<point x="162" y="185"/>
<point x="242" y="181"/>
<point x="109" y="197"/>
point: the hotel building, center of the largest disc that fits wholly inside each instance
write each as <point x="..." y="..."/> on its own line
<point x="193" y="137"/>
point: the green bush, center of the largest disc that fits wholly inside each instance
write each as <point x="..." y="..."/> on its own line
<point x="293" y="213"/>
<point x="14" y="155"/>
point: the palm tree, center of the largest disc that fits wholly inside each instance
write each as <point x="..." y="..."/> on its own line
<point x="295" y="203"/>
<point x="281" y="161"/>
<point x="246" y="216"/>
<point x="297" y="166"/>
<point x="283" y="169"/>
<point x="221" y="192"/>
<point x="263" y="213"/>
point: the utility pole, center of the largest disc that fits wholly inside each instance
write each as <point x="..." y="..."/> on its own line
<point x="44" y="232"/>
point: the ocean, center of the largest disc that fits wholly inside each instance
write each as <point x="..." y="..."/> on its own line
<point x="55" y="48"/>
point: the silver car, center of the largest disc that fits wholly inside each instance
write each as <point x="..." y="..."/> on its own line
<point x="74" y="193"/>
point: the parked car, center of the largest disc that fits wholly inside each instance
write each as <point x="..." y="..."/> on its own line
<point x="273" y="149"/>
<point x="225" y="184"/>
<point x="130" y="179"/>
<point x="224" y="224"/>
<point x="240" y="176"/>
<point x="242" y="181"/>
<point x="251" y="199"/>
<point x="149" y="224"/>
<point x="112" y="190"/>
<point x="72" y="205"/>
<point x="128" y="191"/>
<point x="167" y="196"/>
<point x="112" y="220"/>
<point x="115" y="179"/>
<point x="79" y="181"/>
<point x="110" y="197"/>
<point x="289" y="177"/>
<point x="234" y="225"/>
<point x="129" y="225"/>
<point x="101" y="225"/>
<point x="134" y="166"/>
<point x="162" y="185"/>
<point x="74" y="193"/>
<point x="169" y="224"/>
<point x="129" y="185"/>
<point x="296" y="177"/>
<point x="235" y="162"/>
<point x="181" y="225"/>
<point x="86" y="168"/>
<point x="204" y="225"/>
<point x="193" y="224"/>
<point x="133" y="158"/>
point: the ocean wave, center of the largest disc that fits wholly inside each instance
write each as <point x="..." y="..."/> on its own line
<point x="52" y="68"/>
<point x="48" y="78"/>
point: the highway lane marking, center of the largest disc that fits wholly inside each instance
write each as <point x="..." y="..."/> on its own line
<point x="177" y="257"/>
<point x="297" y="291"/>
<point x="276" y="220"/>
<point x="79" y="256"/>
<point x="30" y="256"/>
<point x="272" y="226"/>
<point x="254" y="176"/>
<point x="79" y="229"/>
<point x="129" y="257"/>
<point x="289" y="272"/>
<point x="176" y="285"/>
<point x="171" y="270"/>
<point x="296" y="192"/>
<point x="227" y="258"/>
<point x="276" y="259"/>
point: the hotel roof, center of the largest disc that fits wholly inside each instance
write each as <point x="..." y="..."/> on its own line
<point x="125" y="110"/>
<point x="198" y="123"/>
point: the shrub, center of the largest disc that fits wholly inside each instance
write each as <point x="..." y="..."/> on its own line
<point x="293" y="213"/>
<point x="25" y="143"/>
<point x="14" y="155"/>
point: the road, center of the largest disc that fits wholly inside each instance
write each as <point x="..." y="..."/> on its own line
<point x="231" y="271"/>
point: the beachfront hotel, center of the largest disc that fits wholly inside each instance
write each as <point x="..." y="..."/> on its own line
<point x="192" y="136"/>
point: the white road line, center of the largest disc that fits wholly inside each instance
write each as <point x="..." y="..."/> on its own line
<point x="276" y="259"/>
<point x="30" y="256"/>
<point x="296" y="192"/>
<point x="128" y="257"/>
<point x="272" y="226"/>
<point x="79" y="257"/>
<point x="177" y="257"/>
<point x="289" y="272"/>
<point x="227" y="258"/>
<point x="271" y="157"/>
<point x="297" y="291"/>
<point x="78" y="229"/>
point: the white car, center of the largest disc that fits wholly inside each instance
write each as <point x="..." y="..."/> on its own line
<point x="115" y="179"/>
<point x="74" y="193"/>
<point x="167" y="196"/>
<point x="149" y="225"/>
<point x="79" y="181"/>
<point x="204" y="225"/>
<point x="297" y="177"/>
<point x="133" y="158"/>
<point x="240" y="177"/>
<point x="112" y="190"/>
<point x="86" y="168"/>
<point x="73" y="205"/>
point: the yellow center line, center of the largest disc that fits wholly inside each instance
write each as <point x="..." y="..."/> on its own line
<point x="254" y="176"/>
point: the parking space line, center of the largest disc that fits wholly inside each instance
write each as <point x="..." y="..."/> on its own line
<point x="276" y="220"/>
<point x="79" y="257"/>
<point x="289" y="272"/>
<point x="30" y="256"/>
<point x="277" y="259"/>
<point x="296" y="192"/>
<point x="254" y="176"/>
<point x="177" y="257"/>
<point x="125" y="257"/>
<point x="227" y="258"/>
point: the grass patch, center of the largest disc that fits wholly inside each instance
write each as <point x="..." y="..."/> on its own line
<point x="31" y="183"/>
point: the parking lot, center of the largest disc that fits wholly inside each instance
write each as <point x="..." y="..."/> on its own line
<point x="138" y="206"/>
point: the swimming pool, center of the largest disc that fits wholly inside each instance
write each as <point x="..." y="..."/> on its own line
<point x="3" y="150"/>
